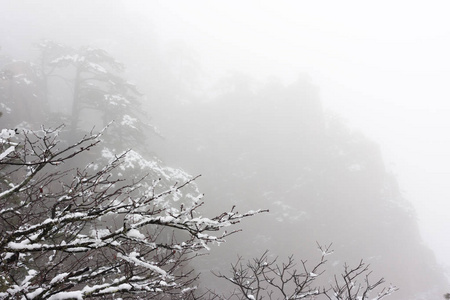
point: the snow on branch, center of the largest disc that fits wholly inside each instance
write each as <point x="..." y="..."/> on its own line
<point x="265" y="277"/>
<point x="88" y="232"/>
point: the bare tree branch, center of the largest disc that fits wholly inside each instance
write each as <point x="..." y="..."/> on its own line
<point x="79" y="233"/>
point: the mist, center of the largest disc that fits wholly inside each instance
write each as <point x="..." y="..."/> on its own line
<point x="334" y="116"/>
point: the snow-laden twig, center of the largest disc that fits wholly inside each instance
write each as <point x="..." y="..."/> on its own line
<point x="90" y="233"/>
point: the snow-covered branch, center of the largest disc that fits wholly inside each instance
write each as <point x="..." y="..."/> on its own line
<point x="266" y="278"/>
<point x="350" y="286"/>
<point x="76" y="233"/>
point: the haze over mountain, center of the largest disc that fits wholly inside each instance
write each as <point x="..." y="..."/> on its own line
<point x="333" y="116"/>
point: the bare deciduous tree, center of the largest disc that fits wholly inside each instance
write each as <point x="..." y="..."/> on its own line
<point x="87" y="232"/>
<point x="267" y="278"/>
<point x="350" y="286"/>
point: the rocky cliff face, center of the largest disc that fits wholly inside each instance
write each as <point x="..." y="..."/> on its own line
<point x="276" y="148"/>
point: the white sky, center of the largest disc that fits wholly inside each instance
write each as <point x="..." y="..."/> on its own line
<point x="383" y="65"/>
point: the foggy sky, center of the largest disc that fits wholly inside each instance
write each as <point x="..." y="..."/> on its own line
<point x="384" y="66"/>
